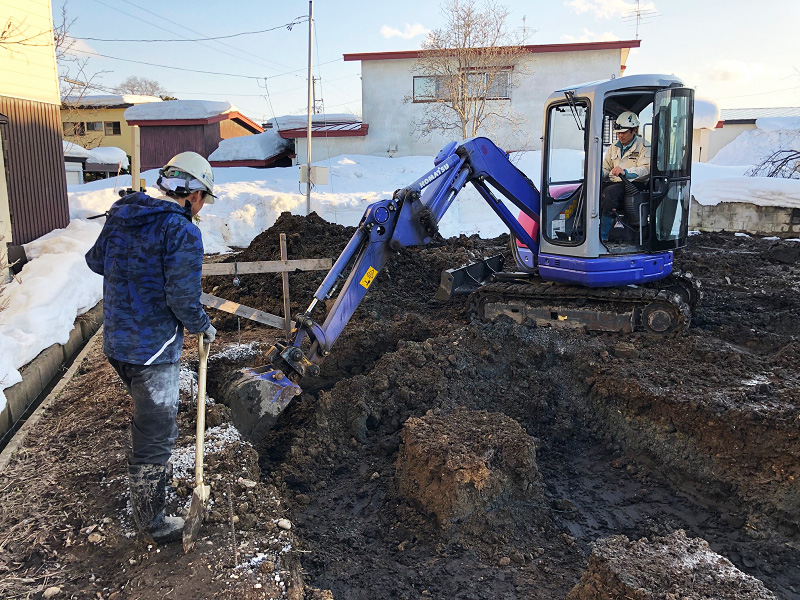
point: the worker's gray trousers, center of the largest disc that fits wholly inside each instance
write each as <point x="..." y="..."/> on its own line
<point x="155" y="392"/>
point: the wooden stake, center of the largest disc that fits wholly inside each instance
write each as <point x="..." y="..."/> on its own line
<point x="287" y="307"/>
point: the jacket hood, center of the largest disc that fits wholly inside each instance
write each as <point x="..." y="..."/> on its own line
<point x="138" y="209"/>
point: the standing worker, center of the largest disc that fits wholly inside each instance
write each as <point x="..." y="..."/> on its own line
<point x="150" y="255"/>
<point x="628" y="158"/>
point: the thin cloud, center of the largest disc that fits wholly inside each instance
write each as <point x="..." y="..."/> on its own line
<point x="590" y="36"/>
<point x="78" y="48"/>
<point x="408" y="32"/>
<point x="608" y="9"/>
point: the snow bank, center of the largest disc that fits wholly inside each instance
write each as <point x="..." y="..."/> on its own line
<point x="52" y="289"/>
<point x="250" y="147"/>
<point x="178" y="109"/>
<point x="753" y="146"/>
<point x="712" y="184"/>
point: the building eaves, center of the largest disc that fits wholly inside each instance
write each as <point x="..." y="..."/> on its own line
<point x="533" y="49"/>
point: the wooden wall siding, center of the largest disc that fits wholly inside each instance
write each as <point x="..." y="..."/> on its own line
<point x="37" y="181"/>
<point x="159" y="143"/>
<point x="231" y="129"/>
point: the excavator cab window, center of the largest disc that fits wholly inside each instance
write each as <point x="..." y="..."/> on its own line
<point x="564" y="193"/>
<point x="626" y="230"/>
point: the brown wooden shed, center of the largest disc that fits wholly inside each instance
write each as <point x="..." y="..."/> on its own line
<point x="168" y="128"/>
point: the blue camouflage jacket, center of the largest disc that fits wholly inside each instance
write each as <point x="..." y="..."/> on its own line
<point x="150" y="255"/>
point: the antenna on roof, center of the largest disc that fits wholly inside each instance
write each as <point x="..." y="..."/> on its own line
<point x="640" y="15"/>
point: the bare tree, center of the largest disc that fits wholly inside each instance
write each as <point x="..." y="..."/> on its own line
<point x="140" y="85"/>
<point x="466" y="71"/>
<point x="781" y="163"/>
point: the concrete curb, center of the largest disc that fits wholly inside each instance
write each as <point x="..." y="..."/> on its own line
<point x="33" y="420"/>
<point x="37" y="374"/>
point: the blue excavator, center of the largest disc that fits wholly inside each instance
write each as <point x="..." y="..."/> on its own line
<point x="567" y="272"/>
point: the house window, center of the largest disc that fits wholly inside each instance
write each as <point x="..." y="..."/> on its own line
<point x="432" y="88"/>
<point x="94" y="126"/>
<point x="112" y="128"/>
<point x="429" y="89"/>
<point x="72" y="129"/>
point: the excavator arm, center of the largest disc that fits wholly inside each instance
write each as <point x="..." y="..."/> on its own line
<point x="410" y="218"/>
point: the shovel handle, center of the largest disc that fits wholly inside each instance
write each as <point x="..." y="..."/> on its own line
<point x="203" y="351"/>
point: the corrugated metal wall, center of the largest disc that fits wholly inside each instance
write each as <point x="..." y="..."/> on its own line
<point x="159" y="143"/>
<point x="231" y="129"/>
<point x="37" y="184"/>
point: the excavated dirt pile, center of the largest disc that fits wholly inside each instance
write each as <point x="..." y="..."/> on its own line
<point x="437" y="456"/>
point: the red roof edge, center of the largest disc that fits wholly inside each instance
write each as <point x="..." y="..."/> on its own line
<point x="265" y="162"/>
<point x="291" y="134"/>
<point x="533" y="49"/>
<point x="719" y="124"/>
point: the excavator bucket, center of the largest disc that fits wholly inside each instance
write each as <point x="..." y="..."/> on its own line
<point x="257" y="397"/>
<point x="467" y="279"/>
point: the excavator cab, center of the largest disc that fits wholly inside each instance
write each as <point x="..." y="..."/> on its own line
<point x="653" y="219"/>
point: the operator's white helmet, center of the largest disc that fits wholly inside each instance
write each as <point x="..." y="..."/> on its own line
<point x="627" y="120"/>
<point x="190" y="166"/>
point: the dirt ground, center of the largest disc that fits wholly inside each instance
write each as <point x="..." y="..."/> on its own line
<point x="559" y="443"/>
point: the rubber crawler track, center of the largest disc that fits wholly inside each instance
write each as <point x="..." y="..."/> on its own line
<point x="628" y="299"/>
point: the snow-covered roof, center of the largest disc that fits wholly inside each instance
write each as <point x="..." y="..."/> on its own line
<point x="297" y="121"/>
<point x="74" y="150"/>
<point x="706" y="114"/>
<point x="751" y="114"/>
<point x="101" y="155"/>
<point x="260" y="146"/>
<point x="110" y="100"/>
<point x="177" y="110"/>
<point x="109" y="156"/>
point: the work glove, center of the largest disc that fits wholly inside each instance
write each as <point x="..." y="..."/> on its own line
<point x="209" y="334"/>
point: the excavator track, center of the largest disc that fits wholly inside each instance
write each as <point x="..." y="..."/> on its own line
<point x="655" y="310"/>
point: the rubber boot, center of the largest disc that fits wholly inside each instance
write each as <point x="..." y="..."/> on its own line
<point x="606" y="223"/>
<point x="148" y="489"/>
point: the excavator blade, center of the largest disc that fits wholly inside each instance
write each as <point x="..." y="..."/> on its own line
<point x="257" y="397"/>
<point x="467" y="279"/>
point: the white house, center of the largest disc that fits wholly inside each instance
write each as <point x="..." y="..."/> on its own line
<point x="390" y="108"/>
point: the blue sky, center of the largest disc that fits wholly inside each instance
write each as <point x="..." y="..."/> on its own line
<point x="739" y="53"/>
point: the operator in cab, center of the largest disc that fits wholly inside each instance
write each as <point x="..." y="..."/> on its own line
<point x="628" y="158"/>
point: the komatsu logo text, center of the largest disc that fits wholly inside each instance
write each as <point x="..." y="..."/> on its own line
<point x="434" y="175"/>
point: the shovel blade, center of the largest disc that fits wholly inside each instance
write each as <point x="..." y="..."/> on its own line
<point x="194" y="518"/>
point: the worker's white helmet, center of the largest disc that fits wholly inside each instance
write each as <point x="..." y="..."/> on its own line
<point x="194" y="170"/>
<point x="627" y="120"/>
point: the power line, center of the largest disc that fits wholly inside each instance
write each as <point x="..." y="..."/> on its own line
<point x="760" y="93"/>
<point x="149" y="64"/>
<point x="288" y="26"/>
<point x="184" y="36"/>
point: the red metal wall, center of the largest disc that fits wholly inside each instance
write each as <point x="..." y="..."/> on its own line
<point x="37" y="182"/>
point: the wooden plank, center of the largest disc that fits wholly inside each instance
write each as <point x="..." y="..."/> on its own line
<point x="268" y="266"/>
<point x="287" y="310"/>
<point x="241" y="310"/>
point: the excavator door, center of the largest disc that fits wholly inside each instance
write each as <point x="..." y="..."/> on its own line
<point x="671" y="168"/>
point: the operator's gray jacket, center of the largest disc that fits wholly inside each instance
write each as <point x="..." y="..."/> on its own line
<point x="636" y="160"/>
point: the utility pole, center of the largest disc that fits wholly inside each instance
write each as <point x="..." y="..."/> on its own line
<point x="310" y="105"/>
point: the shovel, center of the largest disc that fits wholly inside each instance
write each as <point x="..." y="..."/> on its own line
<point x="201" y="491"/>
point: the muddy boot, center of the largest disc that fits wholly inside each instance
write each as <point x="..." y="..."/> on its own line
<point x="148" y="489"/>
